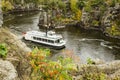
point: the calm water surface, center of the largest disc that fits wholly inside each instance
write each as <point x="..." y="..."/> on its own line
<point x="85" y="44"/>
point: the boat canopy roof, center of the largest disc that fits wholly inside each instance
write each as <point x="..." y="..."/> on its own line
<point x="50" y="35"/>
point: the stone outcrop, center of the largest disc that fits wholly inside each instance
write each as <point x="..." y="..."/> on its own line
<point x="106" y="19"/>
<point x="7" y="71"/>
<point x="1" y="16"/>
<point x="111" y="14"/>
<point x="15" y="46"/>
<point x="16" y="52"/>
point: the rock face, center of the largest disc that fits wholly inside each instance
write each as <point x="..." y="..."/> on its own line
<point x="1" y="16"/>
<point x="7" y="71"/>
<point x="105" y="19"/>
<point x="14" y="44"/>
<point x="17" y="51"/>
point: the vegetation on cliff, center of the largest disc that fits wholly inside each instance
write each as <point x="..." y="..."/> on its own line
<point x="103" y="15"/>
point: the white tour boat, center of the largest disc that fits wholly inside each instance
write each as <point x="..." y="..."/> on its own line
<point x="50" y="38"/>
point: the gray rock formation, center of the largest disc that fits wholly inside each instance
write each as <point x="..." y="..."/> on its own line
<point x="17" y="51"/>
<point x="1" y="16"/>
<point x="104" y="19"/>
<point x="7" y="71"/>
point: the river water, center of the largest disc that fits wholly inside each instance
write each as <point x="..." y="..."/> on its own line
<point x="83" y="43"/>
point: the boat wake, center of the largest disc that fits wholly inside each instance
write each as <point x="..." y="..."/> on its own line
<point x="103" y="43"/>
<point x="86" y="39"/>
<point x="109" y="45"/>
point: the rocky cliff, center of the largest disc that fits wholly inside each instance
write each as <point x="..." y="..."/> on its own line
<point x="15" y="65"/>
<point x="1" y="16"/>
<point x="103" y="17"/>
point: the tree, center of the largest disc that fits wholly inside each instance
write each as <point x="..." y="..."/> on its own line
<point x="74" y="8"/>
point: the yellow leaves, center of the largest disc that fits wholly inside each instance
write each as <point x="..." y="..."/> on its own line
<point x="61" y="78"/>
<point x="6" y="5"/>
<point x="71" y="67"/>
<point x="73" y="5"/>
<point x="78" y="15"/>
<point x="32" y="63"/>
<point x="113" y="30"/>
<point x="75" y="10"/>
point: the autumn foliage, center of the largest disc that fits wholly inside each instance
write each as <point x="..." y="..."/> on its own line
<point x="45" y="69"/>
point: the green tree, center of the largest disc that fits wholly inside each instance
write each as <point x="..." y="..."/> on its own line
<point x="74" y="8"/>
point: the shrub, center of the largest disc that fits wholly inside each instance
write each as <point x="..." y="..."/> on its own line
<point x="3" y="50"/>
<point x="44" y="69"/>
<point x="114" y="31"/>
<point x="90" y="61"/>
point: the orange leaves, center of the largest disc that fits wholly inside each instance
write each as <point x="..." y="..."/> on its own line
<point x="44" y="69"/>
<point x="32" y="64"/>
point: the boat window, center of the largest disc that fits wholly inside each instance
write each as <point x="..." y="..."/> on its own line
<point x="41" y="39"/>
<point x="45" y="40"/>
<point x="50" y="41"/>
<point x="37" y="38"/>
<point x="57" y="41"/>
<point x="34" y="38"/>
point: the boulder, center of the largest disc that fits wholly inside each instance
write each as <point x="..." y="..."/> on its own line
<point x="7" y="71"/>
